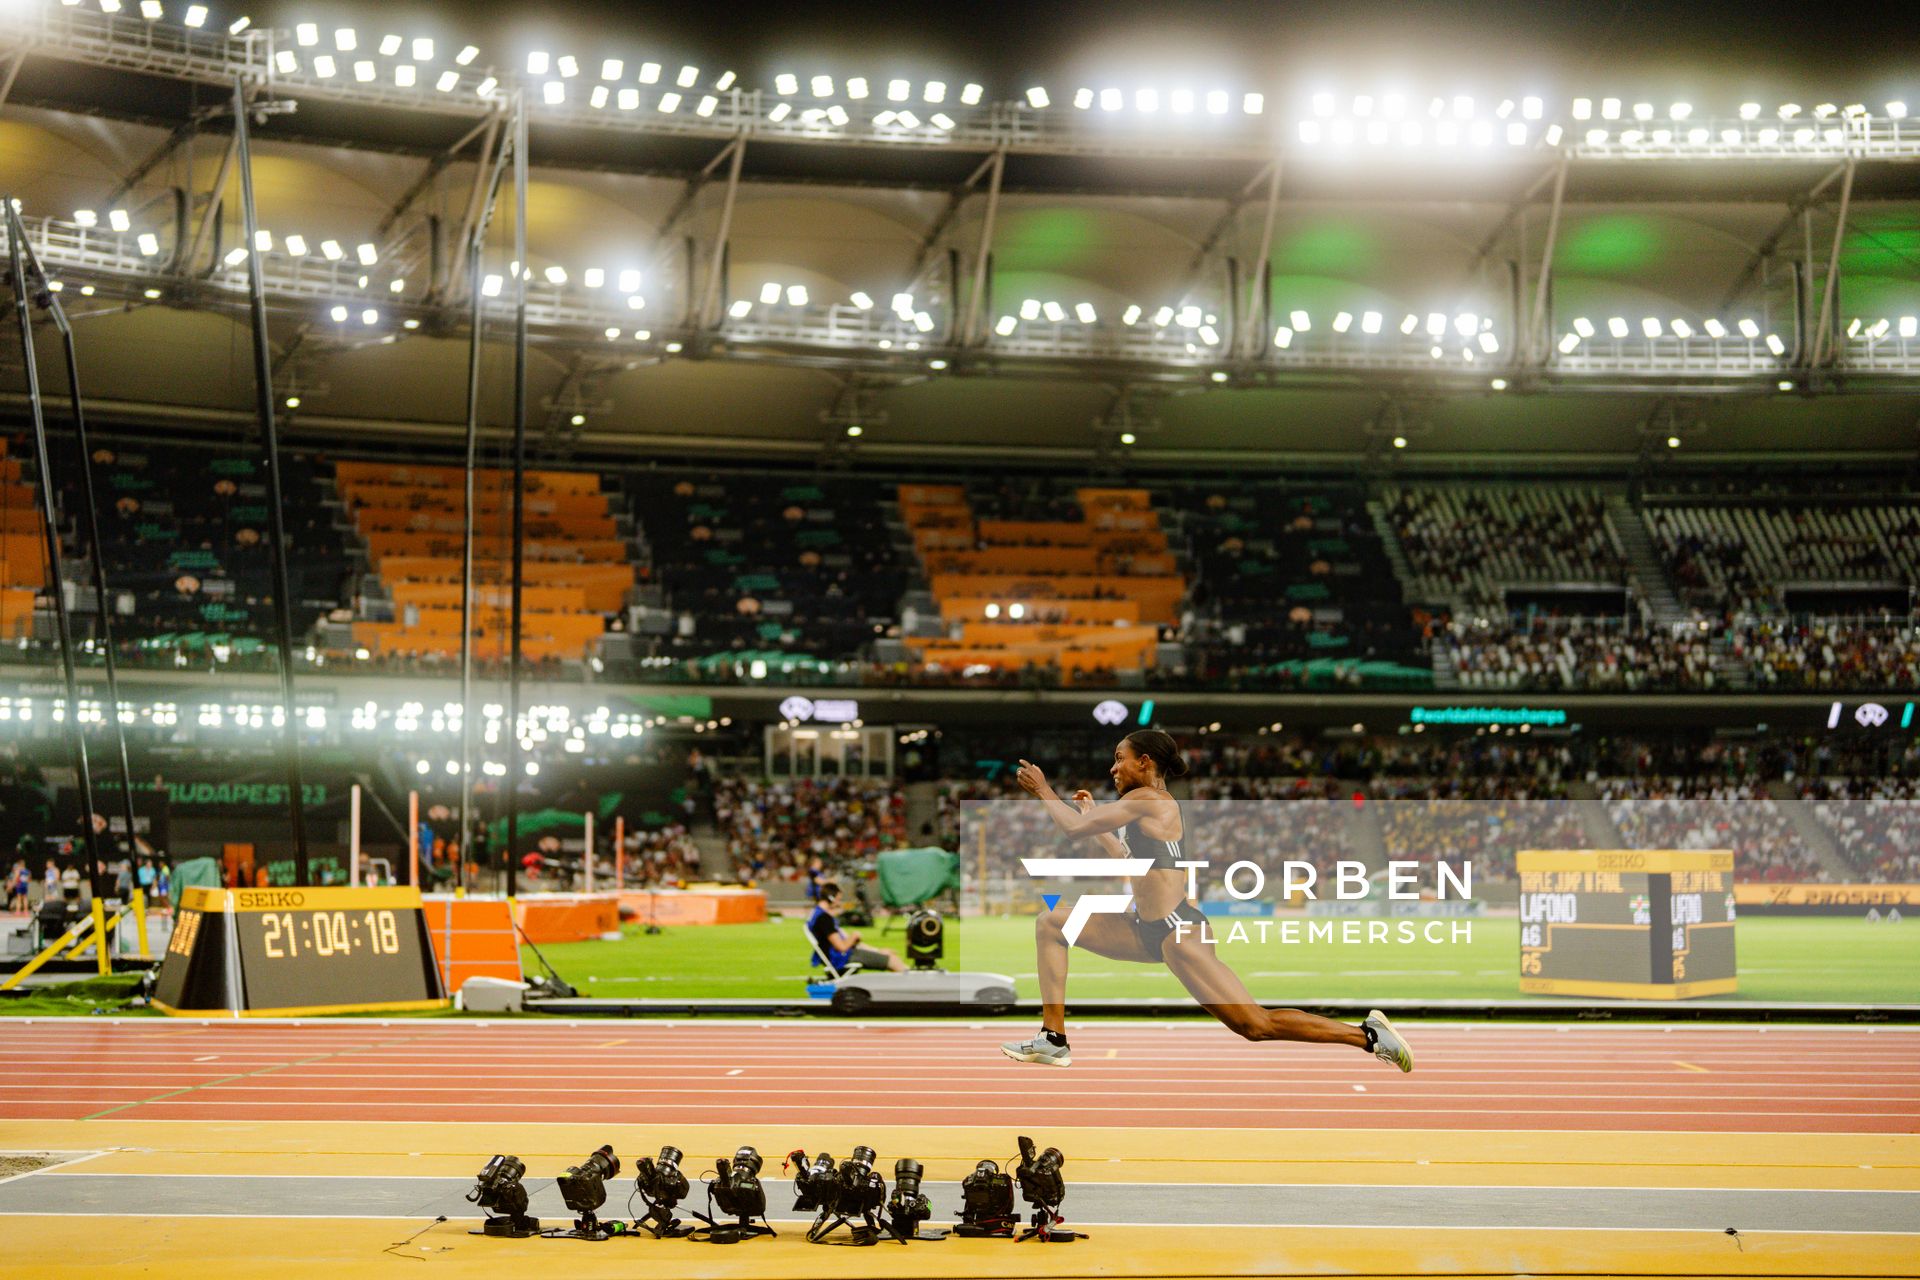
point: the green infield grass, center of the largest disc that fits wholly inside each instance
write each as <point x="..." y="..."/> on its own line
<point x="1781" y="959"/>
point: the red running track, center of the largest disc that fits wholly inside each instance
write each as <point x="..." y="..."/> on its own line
<point x="1152" y="1075"/>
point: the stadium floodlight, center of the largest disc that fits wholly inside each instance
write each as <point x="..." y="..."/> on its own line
<point x="405" y="73"/>
<point x="1505" y="108"/>
<point x="486" y="87"/>
<point x="1082" y="98"/>
<point x="86" y="217"/>
<point x="1217" y="102"/>
<point x="1283" y="337"/>
<point x="339" y="314"/>
<point x="306" y="34"/>
<point x="554" y="92"/>
<point x="1370" y="322"/>
<point x="284" y="62"/>
<point x="1788" y="110"/>
<point x="1568" y="342"/>
<point x="263" y="240"/>
<point x="822" y="86"/>
<point x="909" y="120"/>
<point x="708" y="103"/>
<point x="423" y="48"/>
<point x="1909" y="326"/>
<point x="390" y="45"/>
<point x="447" y="81"/>
<point x="1323" y="104"/>
<point x="1596" y="137"/>
<point x="1730" y="136"/>
<point x="1715" y="329"/>
<point x="1532" y="108"/>
<point x="1650" y="326"/>
<point x="1896" y="111"/>
<point x="149" y="244"/>
<point x="1188" y="316"/>
<point x="370" y="316"/>
<point x="1498" y="384"/>
<point x="1343" y="322"/>
<point x="1162" y="317"/>
<point x="1436" y="324"/>
<point x="1517" y="134"/>
<point x="934" y="92"/>
<point x="1446" y="133"/>
<point x="861" y="300"/>
<point x="1110" y="99"/>
<point x="1617" y="326"/>
<point x="902" y="306"/>
<point x="1609" y="108"/>
<point x="1803" y="136"/>
<point x="119" y="220"/>
<point x="556" y="275"/>
<point x="1302" y="322"/>
<point x="1583" y="108"/>
<point x="236" y="255"/>
<point x="1005" y="325"/>
<point x="770" y="293"/>
<point x="1181" y="101"/>
<point x="1748" y="329"/>
<point x="1769" y="136"/>
<point x="1853" y="327"/>
<point x="367" y="254"/>
<point x="346" y="40"/>
<point x="1673" y="442"/>
<point x="1631" y="137"/>
<point x="1583" y="326"/>
<point x="1824" y="110"/>
<point x="688" y="77"/>
<point x="1412" y="133"/>
<point x="942" y="121"/>
<point x="1784" y="384"/>
<point x="1681" y="329"/>
<point x="538" y="61"/>
<point x="1132" y="314"/>
<point x="1085" y="312"/>
<point x="331" y="250"/>
<point x="1218" y="375"/>
<point x="636" y="303"/>
<point x="593" y="278"/>
<point x="238" y="25"/>
<point x="1776" y="346"/>
<point x="363" y="71"/>
<point x="196" y="16"/>
<point x="1481" y="133"/>
<point x="1643" y="111"/>
<point x="796" y="295"/>
<point x="1410" y="323"/>
<point x="1055" y="313"/>
<point x="628" y="99"/>
<point x="1146" y="101"/>
<point x="1253" y="104"/>
<point x="739" y="310"/>
<point x="466" y="55"/>
<point x="784" y="83"/>
<point x="1310" y="132"/>
<point x="1489" y="343"/>
<point x="781" y="111"/>
<point x="857" y="88"/>
<point x="612" y="69"/>
<point x="1463" y="107"/>
<point x="629" y="281"/>
<point x="1749" y="110"/>
<point x="668" y="104"/>
<point x="1680" y="111"/>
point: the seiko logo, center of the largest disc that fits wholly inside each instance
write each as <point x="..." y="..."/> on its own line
<point x="272" y="898"/>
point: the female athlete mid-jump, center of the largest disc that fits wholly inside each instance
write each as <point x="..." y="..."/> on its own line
<point x="1145" y="823"/>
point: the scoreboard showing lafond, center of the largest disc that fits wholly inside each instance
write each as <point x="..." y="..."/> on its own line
<point x="1644" y="924"/>
<point x="298" y="951"/>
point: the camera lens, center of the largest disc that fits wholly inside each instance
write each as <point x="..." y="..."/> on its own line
<point x="906" y="1177"/>
<point x="604" y="1162"/>
<point x="862" y="1156"/>
<point x="747" y="1161"/>
<point x="670" y="1156"/>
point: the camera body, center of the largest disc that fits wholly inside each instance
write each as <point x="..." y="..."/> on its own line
<point x="584" y="1186"/>
<point x="499" y="1192"/>
<point x="908" y="1207"/>
<point x="1041" y="1184"/>
<point x="736" y="1188"/>
<point x="816" y="1186"/>
<point x="862" y="1191"/>
<point x="661" y="1181"/>
<point x="986" y="1206"/>
<point x="925" y="939"/>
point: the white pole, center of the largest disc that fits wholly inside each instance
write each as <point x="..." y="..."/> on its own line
<point x="353" y="836"/>
<point x="589" y="817"/>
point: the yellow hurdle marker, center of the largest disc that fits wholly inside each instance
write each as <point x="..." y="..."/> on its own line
<point x="49" y="952"/>
<point x="101" y="936"/>
<point x="140" y="922"/>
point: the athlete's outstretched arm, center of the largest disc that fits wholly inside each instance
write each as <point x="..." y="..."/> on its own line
<point x="1096" y="821"/>
<point x="1108" y="842"/>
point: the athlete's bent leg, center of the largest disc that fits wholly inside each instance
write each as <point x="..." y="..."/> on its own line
<point x="1221" y="993"/>
<point x="1104" y="935"/>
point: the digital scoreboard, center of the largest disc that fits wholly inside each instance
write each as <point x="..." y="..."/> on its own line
<point x="1635" y="924"/>
<point x="285" y="952"/>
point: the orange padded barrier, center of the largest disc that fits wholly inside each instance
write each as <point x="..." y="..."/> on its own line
<point x="439" y="545"/>
<point x="566" y="917"/>
<point x="472" y="938"/>
<point x="22" y="560"/>
<point x="348" y="474"/>
<point x="694" y="906"/>
<point x="494" y="524"/>
<point x="987" y="634"/>
<point x="16" y="611"/>
<point x="393" y="497"/>
<point x="605" y="586"/>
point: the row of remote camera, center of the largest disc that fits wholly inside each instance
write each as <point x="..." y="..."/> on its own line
<point x="846" y="1193"/>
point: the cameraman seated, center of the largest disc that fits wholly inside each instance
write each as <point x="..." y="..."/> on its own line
<point x="841" y="947"/>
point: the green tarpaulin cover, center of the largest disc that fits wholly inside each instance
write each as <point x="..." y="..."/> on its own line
<point x="912" y="876"/>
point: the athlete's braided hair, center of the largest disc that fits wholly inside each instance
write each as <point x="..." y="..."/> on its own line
<point x="1160" y="748"/>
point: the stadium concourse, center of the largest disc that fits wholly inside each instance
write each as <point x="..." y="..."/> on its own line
<point x="588" y="583"/>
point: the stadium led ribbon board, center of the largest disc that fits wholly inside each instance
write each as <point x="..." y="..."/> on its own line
<point x="1635" y="924"/>
<point x="285" y="952"/>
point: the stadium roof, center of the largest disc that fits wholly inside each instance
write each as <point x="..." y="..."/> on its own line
<point x="1106" y="221"/>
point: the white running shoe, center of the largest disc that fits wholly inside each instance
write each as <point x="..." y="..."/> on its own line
<point x="1388" y="1045"/>
<point x="1039" y="1049"/>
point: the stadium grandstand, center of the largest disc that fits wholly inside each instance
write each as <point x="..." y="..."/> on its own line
<point x="600" y="481"/>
